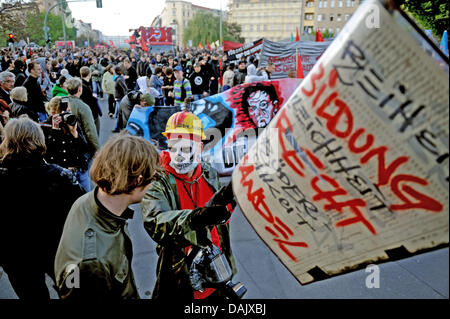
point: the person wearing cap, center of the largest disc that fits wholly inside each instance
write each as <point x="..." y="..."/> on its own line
<point x="181" y="87"/>
<point x="175" y="211"/>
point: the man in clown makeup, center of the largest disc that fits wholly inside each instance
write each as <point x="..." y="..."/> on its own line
<point x="178" y="213"/>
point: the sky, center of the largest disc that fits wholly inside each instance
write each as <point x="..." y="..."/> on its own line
<point x="117" y="16"/>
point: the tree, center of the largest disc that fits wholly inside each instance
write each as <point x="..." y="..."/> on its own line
<point x="13" y="17"/>
<point x="34" y="28"/>
<point x="431" y="15"/>
<point x="206" y="26"/>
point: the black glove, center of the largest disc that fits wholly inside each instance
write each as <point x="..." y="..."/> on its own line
<point x="209" y="216"/>
<point x="223" y="197"/>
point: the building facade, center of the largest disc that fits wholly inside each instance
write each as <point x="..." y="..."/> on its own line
<point x="176" y="14"/>
<point x="279" y="20"/>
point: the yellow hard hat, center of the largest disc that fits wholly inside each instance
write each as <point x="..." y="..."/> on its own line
<point x="184" y="123"/>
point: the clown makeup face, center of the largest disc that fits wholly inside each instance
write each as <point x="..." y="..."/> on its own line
<point x="184" y="154"/>
<point x="260" y="108"/>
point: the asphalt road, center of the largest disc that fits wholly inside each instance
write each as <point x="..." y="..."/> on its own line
<point x="424" y="276"/>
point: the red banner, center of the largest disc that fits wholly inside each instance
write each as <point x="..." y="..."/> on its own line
<point x="230" y="45"/>
<point x="156" y="36"/>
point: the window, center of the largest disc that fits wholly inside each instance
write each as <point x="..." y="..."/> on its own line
<point x="332" y="4"/>
<point x="320" y="4"/>
<point x="331" y="17"/>
<point x="174" y="12"/>
<point x="319" y="17"/>
<point x="337" y="31"/>
<point x="348" y="3"/>
<point x="325" y="3"/>
<point x="339" y="17"/>
<point x="340" y="3"/>
<point x="265" y="27"/>
<point x="353" y="3"/>
<point x="346" y="17"/>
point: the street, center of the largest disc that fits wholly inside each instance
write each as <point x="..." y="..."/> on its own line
<point x="421" y="276"/>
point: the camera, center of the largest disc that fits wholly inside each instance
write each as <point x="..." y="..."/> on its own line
<point x="68" y="119"/>
<point x="210" y="268"/>
<point x="64" y="104"/>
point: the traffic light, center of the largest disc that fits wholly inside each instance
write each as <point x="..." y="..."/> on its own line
<point x="99" y="3"/>
<point x="10" y="37"/>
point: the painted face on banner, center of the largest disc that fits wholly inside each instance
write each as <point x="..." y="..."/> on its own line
<point x="184" y="154"/>
<point x="260" y="108"/>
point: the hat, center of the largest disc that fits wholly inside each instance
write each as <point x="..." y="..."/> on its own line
<point x="148" y="98"/>
<point x="178" y="68"/>
<point x="153" y="61"/>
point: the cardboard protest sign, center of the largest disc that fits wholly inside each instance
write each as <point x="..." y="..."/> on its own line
<point x="233" y="119"/>
<point x="356" y="164"/>
<point x="283" y="55"/>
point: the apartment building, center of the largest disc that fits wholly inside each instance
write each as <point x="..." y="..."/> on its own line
<point x="278" y="20"/>
<point x="176" y="14"/>
<point x="332" y="14"/>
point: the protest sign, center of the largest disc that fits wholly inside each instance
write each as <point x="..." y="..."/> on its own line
<point x="355" y="166"/>
<point x="245" y="50"/>
<point x="233" y="119"/>
<point x="283" y="55"/>
<point x="149" y="122"/>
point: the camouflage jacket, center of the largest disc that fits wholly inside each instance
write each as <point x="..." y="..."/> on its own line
<point x="170" y="227"/>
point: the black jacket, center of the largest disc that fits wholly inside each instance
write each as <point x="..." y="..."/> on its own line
<point x="40" y="196"/>
<point x="5" y="96"/>
<point x="17" y="109"/>
<point x="132" y="78"/>
<point x="35" y="97"/>
<point x="89" y="99"/>
<point x="63" y="149"/>
<point x="120" y="88"/>
<point x="199" y="82"/>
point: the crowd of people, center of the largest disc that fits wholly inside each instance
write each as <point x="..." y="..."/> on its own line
<point x="49" y="132"/>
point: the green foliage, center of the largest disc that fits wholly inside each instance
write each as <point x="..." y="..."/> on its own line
<point x="34" y="29"/>
<point x="431" y="15"/>
<point x="13" y="18"/>
<point x="206" y="26"/>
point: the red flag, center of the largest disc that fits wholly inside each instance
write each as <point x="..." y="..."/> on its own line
<point x="144" y="45"/>
<point x="297" y="37"/>
<point x="111" y="43"/>
<point x="299" y="67"/>
<point x="220" y="70"/>
<point x="319" y="36"/>
<point x="200" y="46"/>
<point x="209" y="47"/>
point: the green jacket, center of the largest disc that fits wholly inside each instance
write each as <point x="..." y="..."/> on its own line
<point x="170" y="228"/>
<point x="96" y="244"/>
<point x="108" y="83"/>
<point x="57" y="90"/>
<point x="99" y="68"/>
<point x="86" y="122"/>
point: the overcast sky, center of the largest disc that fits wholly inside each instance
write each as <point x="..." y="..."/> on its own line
<point x="117" y="16"/>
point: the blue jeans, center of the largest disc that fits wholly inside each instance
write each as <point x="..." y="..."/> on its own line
<point x="97" y="88"/>
<point x="118" y="116"/>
